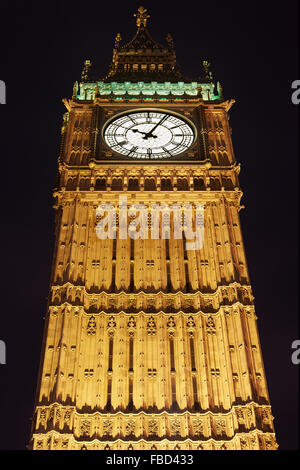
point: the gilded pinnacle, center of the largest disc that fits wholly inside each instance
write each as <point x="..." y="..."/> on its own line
<point x="117" y="40"/>
<point x="170" y="40"/>
<point x="141" y="17"/>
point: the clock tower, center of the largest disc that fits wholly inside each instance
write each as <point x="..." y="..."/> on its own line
<point x="150" y="335"/>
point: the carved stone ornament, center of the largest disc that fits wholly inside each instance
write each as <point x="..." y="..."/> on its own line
<point x="221" y="427"/>
<point x="130" y="427"/>
<point x="85" y="427"/>
<point x="131" y="322"/>
<point x="43" y="417"/>
<point x="91" y="326"/>
<point x="171" y="323"/>
<point x="67" y="418"/>
<point x="152" y="427"/>
<point x="210" y="326"/>
<point x="107" y="427"/>
<point x="151" y="327"/>
<point x="175" y="427"/>
<point x="240" y="415"/>
<point x="190" y="322"/>
<point x="198" y="427"/>
<point x="111" y="323"/>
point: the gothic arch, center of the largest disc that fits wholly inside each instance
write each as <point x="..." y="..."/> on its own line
<point x="182" y="184"/>
<point x="166" y="184"/>
<point x="70" y="184"/>
<point x="84" y="184"/>
<point x="199" y="184"/>
<point x="133" y="184"/>
<point x="100" y="184"/>
<point x="117" y="184"/>
<point x="150" y="184"/>
<point x="215" y="184"/>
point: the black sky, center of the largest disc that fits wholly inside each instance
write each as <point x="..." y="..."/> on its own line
<point x="253" y="49"/>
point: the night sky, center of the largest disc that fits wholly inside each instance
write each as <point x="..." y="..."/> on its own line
<point x="253" y="49"/>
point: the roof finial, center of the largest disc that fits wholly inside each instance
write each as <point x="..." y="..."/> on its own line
<point x="85" y="70"/>
<point x="170" y="41"/>
<point x="141" y="17"/>
<point x="75" y="89"/>
<point x="206" y="66"/>
<point x="117" y="40"/>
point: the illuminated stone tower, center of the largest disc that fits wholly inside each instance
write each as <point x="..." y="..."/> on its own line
<point x="150" y="343"/>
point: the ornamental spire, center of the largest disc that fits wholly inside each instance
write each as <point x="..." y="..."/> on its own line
<point x="117" y="40"/>
<point x="170" y="41"/>
<point x="85" y="71"/>
<point x="206" y="66"/>
<point x="142" y="59"/>
<point x="141" y="17"/>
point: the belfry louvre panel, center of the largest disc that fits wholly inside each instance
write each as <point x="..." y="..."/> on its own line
<point x="150" y="339"/>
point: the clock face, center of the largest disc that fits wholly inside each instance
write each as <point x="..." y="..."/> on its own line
<point x="148" y="134"/>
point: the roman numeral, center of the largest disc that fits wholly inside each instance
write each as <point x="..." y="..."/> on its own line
<point x="178" y="125"/>
<point x="167" y="151"/>
<point x="112" y="136"/>
<point x="178" y="144"/>
<point x="132" y="150"/>
<point x="181" y="135"/>
<point x="133" y="120"/>
<point x="119" y="143"/>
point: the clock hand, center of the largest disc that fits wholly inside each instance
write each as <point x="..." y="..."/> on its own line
<point x="136" y="130"/>
<point x="149" y="134"/>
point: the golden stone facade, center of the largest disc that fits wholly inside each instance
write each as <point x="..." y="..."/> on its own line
<point x="149" y="345"/>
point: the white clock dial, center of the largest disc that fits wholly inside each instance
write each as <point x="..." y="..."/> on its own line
<point x="148" y="134"/>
